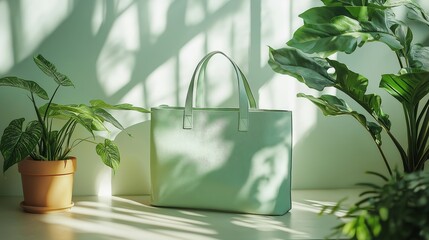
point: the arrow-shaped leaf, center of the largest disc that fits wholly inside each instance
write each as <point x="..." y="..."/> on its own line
<point x="97" y="103"/>
<point x="50" y="70"/>
<point x="106" y="116"/>
<point x="16" y="144"/>
<point x="24" y="84"/>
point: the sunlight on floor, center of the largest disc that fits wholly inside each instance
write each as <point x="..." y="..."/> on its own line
<point x="133" y="218"/>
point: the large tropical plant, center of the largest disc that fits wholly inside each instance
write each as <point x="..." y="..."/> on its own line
<point x="343" y="26"/>
<point x="41" y="140"/>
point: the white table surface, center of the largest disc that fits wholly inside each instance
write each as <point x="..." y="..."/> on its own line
<point x="131" y="217"/>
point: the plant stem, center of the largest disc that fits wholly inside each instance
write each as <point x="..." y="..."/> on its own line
<point x="399" y="60"/>
<point x="50" y="101"/>
<point x="384" y="159"/>
<point x="424" y="128"/>
<point x="408" y="122"/>
<point x="382" y="124"/>
<point x="42" y="123"/>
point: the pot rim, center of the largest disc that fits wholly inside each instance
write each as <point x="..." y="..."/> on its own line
<point x="29" y="166"/>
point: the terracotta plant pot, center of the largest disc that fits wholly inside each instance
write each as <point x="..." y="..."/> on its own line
<point x="47" y="185"/>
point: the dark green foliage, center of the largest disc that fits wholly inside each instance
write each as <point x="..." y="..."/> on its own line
<point x="343" y="26"/>
<point x="397" y="209"/>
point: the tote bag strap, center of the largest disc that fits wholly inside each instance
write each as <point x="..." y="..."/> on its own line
<point x="246" y="98"/>
<point x="206" y="59"/>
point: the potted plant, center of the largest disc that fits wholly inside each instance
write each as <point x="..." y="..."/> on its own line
<point x="42" y="150"/>
<point x="343" y="26"/>
<point x="396" y="209"/>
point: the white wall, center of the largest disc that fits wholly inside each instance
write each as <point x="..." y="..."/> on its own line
<point x="144" y="51"/>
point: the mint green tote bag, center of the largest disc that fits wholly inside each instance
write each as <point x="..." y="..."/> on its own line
<point x="225" y="159"/>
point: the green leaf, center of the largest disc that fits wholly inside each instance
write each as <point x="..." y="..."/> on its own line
<point x="355" y="86"/>
<point x="378" y="175"/>
<point x="419" y="57"/>
<point x="333" y="106"/>
<point x="109" y="154"/>
<point x="31" y="86"/>
<point x="309" y="70"/>
<point x="313" y="72"/>
<point x="344" y="2"/>
<point x="384" y="213"/>
<point x="405" y="36"/>
<point x="417" y="12"/>
<point x="408" y="88"/>
<point x="106" y="116"/>
<point x="101" y="104"/>
<point x="82" y="113"/>
<point x="329" y="29"/>
<point x="16" y="144"/>
<point x="50" y="70"/>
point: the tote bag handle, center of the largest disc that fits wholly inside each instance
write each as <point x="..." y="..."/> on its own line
<point x="245" y="95"/>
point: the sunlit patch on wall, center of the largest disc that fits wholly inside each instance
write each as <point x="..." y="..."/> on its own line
<point x="195" y="12"/>
<point x="279" y="93"/>
<point x="117" y="58"/>
<point x="6" y="56"/>
<point x="135" y="95"/>
<point x="270" y="17"/>
<point x="104" y="182"/>
<point x="214" y="5"/>
<point x="161" y="84"/>
<point x="230" y="34"/>
<point x="38" y="20"/>
<point x="188" y="59"/>
<point x="158" y="11"/>
<point x="99" y="16"/>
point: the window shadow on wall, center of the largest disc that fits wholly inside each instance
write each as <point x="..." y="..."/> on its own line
<point x="115" y="50"/>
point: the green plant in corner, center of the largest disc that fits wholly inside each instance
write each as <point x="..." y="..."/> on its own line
<point x="342" y="26"/>
<point x="40" y="140"/>
<point x="396" y="209"/>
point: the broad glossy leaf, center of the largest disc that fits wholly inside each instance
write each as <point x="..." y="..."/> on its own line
<point x="106" y="116"/>
<point x="408" y="88"/>
<point x="419" y="57"/>
<point x="334" y="106"/>
<point x="83" y="113"/>
<point x="109" y="154"/>
<point x="417" y="12"/>
<point x="405" y="36"/>
<point x="355" y="85"/>
<point x="313" y="72"/>
<point x="16" y="144"/>
<point x="309" y="70"/>
<point x="24" y="84"/>
<point x="97" y="103"/>
<point x="50" y="70"/>
<point x="329" y="29"/>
